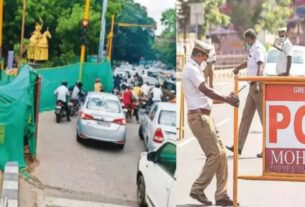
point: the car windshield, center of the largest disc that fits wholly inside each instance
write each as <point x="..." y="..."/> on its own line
<point x="99" y="104"/>
<point x="297" y="56"/>
<point x="167" y="118"/>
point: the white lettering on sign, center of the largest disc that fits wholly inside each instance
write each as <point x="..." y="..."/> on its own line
<point x="289" y="157"/>
<point x="299" y="89"/>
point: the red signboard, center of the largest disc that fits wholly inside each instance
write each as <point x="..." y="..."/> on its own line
<point x="285" y="129"/>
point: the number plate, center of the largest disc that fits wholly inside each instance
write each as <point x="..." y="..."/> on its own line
<point x="102" y="123"/>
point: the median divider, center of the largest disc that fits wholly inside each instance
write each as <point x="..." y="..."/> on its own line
<point x="10" y="185"/>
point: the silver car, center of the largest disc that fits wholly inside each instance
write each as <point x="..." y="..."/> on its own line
<point x="102" y="118"/>
<point x="158" y="125"/>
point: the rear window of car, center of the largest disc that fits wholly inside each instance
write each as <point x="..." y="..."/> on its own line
<point x="99" y="104"/>
<point x="167" y="118"/>
<point x="297" y="56"/>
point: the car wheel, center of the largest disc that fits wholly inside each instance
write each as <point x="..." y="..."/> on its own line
<point x="78" y="139"/>
<point x="141" y="192"/>
<point x="121" y="146"/>
<point x="58" y="118"/>
<point x="141" y="133"/>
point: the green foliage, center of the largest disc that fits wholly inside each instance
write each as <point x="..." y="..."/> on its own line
<point x="265" y="15"/>
<point x="132" y="43"/>
<point x="166" y="48"/>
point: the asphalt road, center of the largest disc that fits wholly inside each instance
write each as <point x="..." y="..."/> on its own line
<point x="91" y="171"/>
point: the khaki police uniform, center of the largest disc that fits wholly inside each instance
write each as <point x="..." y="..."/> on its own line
<point x="203" y="127"/>
<point x="254" y="101"/>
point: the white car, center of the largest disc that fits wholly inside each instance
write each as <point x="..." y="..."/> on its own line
<point x="158" y="125"/>
<point x="297" y="66"/>
<point x="156" y="177"/>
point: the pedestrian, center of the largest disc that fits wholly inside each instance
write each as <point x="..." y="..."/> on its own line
<point x="254" y="102"/>
<point x="127" y="100"/>
<point x="210" y="63"/>
<point x="62" y="94"/>
<point x="156" y="93"/>
<point x="283" y="63"/>
<point x="98" y="86"/>
<point x="199" y="97"/>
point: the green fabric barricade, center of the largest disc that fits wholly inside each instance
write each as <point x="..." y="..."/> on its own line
<point x="52" y="78"/>
<point x="17" y="116"/>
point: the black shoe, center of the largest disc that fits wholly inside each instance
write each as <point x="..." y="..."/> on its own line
<point x="232" y="149"/>
<point x="260" y="155"/>
<point x="68" y="119"/>
<point x="201" y="198"/>
<point x="226" y="201"/>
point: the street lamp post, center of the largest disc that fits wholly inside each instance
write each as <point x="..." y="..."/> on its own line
<point x="102" y="33"/>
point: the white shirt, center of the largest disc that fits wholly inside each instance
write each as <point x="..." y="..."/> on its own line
<point x="145" y="88"/>
<point x="281" y="63"/>
<point x="75" y="92"/>
<point x="257" y="53"/>
<point x="192" y="77"/>
<point x="157" y="94"/>
<point x="62" y="92"/>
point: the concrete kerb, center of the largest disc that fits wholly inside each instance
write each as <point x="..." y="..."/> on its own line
<point x="10" y="185"/>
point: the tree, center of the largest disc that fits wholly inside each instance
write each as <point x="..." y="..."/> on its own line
<point x="166" y="48"/>
<point x="261" y="15"/>
<point x="132" y="43"/>
<point x="211" y="14"/>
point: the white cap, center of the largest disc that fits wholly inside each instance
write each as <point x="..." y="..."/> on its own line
<point x="282" y="29"/>
<point x="202" y="46"/>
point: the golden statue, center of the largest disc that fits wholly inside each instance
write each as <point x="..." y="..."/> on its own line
<point x="38" y="44"/>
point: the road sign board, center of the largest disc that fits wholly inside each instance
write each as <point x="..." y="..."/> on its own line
<point x="285" y="128"/>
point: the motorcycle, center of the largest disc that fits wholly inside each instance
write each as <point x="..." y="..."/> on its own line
<point x="60" y="110"/>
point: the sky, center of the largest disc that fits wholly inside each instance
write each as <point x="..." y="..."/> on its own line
<point x="155" y="9"/>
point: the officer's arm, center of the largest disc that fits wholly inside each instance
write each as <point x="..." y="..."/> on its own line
<point x="240" y="66"/>
<point x="289" y="60"/>
<point x="260" y="68"/>
<point x="211" y="93"/>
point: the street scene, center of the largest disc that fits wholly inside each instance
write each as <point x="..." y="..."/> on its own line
<point x="235" y="152"/>
<point x="88" y="103"/>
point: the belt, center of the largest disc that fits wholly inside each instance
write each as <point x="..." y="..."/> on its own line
<point x="200" y="111"/>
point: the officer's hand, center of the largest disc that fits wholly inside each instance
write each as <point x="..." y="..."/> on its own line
<point x="235" y="71"/>
<point x="232" y="100"/>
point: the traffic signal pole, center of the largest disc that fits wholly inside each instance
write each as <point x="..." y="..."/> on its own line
<point x="83" y="46"/>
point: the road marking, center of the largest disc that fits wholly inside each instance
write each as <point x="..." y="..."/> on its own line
<point x="63" y="202"/>
<point x="193" y="138"/>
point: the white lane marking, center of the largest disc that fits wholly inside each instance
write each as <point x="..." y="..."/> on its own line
<point x="63" y="202"/>
<point x="10" y="185"/>
<point x="193" y="138"/>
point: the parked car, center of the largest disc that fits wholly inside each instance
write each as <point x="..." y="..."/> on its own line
<point x="297" y="66"/>
<point x="158" y="125"/>
<point x="169" y="90"/>
<point x="102" y="118"/>
<point x="156" y="177"/>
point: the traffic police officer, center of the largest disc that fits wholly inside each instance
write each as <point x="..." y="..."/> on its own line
<point x="254" y="102"/>
<point x="283" y="62"/>
<point x="199" y="103"/>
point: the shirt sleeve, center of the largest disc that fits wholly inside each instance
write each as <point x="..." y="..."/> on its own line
<point x="260" y="55"/>
<point x="195" y="77"/>
<point x="288" y="49"/>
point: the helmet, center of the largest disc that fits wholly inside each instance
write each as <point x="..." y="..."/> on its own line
<point x="97" y="80"/>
